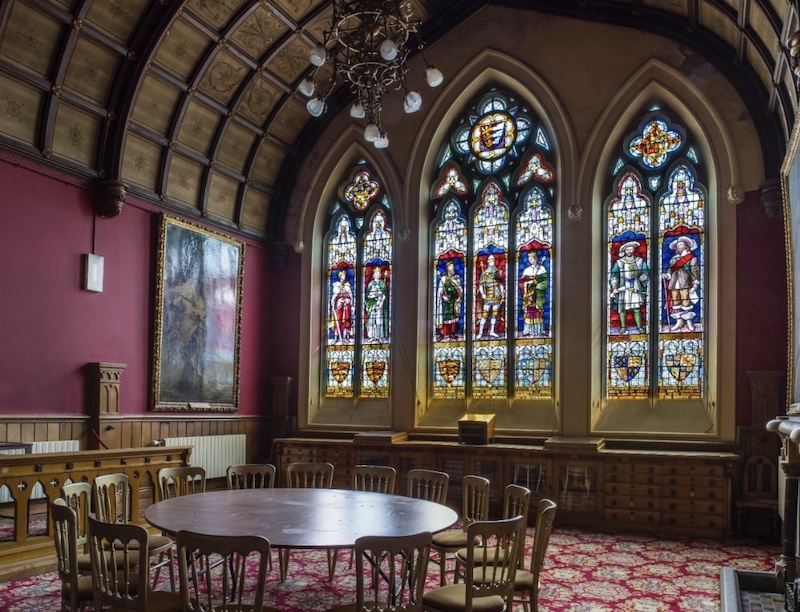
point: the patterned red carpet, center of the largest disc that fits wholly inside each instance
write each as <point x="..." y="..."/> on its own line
<point x="584" y="572"/>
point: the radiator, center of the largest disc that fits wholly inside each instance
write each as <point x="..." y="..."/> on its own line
<point x="214" y="453"/>
<point x="52" y="446"/>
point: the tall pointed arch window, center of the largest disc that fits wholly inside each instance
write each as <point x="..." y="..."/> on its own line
<point x="492" y="245"/>
<point x="358" y="290"/>
<point x="656" y="233"/>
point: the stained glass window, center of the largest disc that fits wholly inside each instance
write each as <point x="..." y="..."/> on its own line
<point x="655" y="227"/>
<point x="492" y="244"/>
<point x="358" y="290"/>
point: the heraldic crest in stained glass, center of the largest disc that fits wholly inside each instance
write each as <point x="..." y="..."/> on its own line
<point x="655" y="143"/>
<point x="361" y="191"/>
<point x="627" y="366"/>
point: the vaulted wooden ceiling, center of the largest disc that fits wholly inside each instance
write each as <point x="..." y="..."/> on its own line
<point x="193" y="104"/>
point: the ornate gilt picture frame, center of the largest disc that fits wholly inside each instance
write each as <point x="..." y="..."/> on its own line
<point x="197" y="318"/>
<point x="790" y="186"/>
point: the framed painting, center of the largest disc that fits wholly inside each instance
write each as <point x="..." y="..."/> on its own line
<point x="197" y="318"/>
<point x="790" y="186"/>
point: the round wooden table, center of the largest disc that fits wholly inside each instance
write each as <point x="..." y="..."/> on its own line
<point x="300" y="518"/>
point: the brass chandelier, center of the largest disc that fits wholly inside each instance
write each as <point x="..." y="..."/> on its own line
<point x="368" y="46"/>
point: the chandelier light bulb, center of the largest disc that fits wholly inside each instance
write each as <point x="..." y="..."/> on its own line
<point x="371" y="132"/>
<point x="307" y="87"/>
<point x="318" y="55"/>
<point x="412" y="102"/>
<point x="434" y="76"/>
<point x="357" y="111"/>
<point x="315" y="107"/>
<point x="388" y="50"/>
<point x="381" y="142"/>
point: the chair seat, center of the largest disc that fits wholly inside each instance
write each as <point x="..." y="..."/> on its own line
<point x="451" y="538"/>
<point x="523" y="581"/>
<point x="85" y="591"/>
<point x="158" y="601"/>
<point x="450" y="598"/>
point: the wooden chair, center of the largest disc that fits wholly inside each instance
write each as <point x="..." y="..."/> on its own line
<point x="526" y="582"/>
<point x="376" y="478"/>
<point x="308" y="475"/>
<point x="474" y="507"/>
<point x="516" y="502"/>
<point x="428" y="484"/>
<point x="759" y="492"/>
<point x="206" y="584"/>
<point x="118" y="580"/>
<point x="111" y="500"/>
<point x="493" y="550"/>
<point x="76" y="588"/>
<point x="251" y="476"/>
<point x="182" y="480"/>
<point x="391" y="573"/>
<point x="78" y="496"/>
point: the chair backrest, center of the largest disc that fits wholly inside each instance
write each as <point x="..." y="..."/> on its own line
<point x="179" y="481"/>
<point x="545" y="516"/>
<point x="251" y="476"/>
<point x="493" y="550"/>
<point x="118" y="579"/>
<point x="376" y="478"/>
<point x="65" y="538"/>
<point x="309" y="475"/>
<point x="111" y="493"/>
<point x="208" y="585"/>
<point x="78" y="496"/>
<point x="760" y="477"/>
<point x="516" y="501"/>
<point x="391" y="572"/>
<point x="428" y="484"/>
<point x="475" y="499"/>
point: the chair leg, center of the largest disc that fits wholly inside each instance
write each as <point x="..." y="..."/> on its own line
<point x="283" y="562"/>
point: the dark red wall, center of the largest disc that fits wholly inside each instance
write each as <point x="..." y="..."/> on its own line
<point x="50" y="327"/>
<point x="761" y="298"/>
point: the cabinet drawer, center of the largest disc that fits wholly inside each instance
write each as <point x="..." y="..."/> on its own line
<point x="640" y="517"/>
<point x="632" y="489"/>
<point x="692" y="506"/>
<point x="654" y="479"/>
<point x="631" y="502"/>
<point x="704" y="521"/>
<point x="693" y="492"/>
<point x="694" y="470"/>
<point x="693" y="482"/>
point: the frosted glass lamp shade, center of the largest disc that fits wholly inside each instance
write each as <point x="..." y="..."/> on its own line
<point x="371" y="132"/>
<point x="357" y="111"/>
<point x="318" y="55"/>
<point x="412" y="102"/>
<point x="315" y="107"/>
<point x="381" y="142"/>
<point x="388" y="50"/>
<point x="434" y="76"/>
<point x="307" y="87"/>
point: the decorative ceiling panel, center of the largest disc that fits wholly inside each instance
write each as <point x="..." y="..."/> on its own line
<point x="31" y="38"/>
<point x="754" y="58"/>
<point x="91" y="70"/>
<point x="291" y="61"/>
<point x="715" y="20"/>
<point x="267" y="163"/>
<point x="763" y="28"/>
<point x="117" y="18"/>
<point x="214" y="14"/>
<point x="155" y="104"/>
<point x="198" y="127"/>
<point x="235" y="147"/>
<point x="141" y="163"/>
<point x="316" y="28"/>
<point x="20" y="109"/>
<point x="259" y="100"/>
<point x="223" y="77"/>
<point x="75" y="134"/>
<point x="256" y="210"/>
<point x="291" y="118"/>
<point x="298" y="8"/>
<point x="183" y="180"/>
<point x="681" y="7"/>
<point x="260" y="30"/>
<point x="181" y="48"/>
<point x="222" y="198"/>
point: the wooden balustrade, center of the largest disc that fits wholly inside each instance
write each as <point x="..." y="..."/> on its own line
<point x="29" y="550"/>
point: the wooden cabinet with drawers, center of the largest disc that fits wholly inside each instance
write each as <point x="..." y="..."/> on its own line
<point x="667" y="492"/>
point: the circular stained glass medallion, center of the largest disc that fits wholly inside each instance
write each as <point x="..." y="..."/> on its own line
<point x="492" y="136"/>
